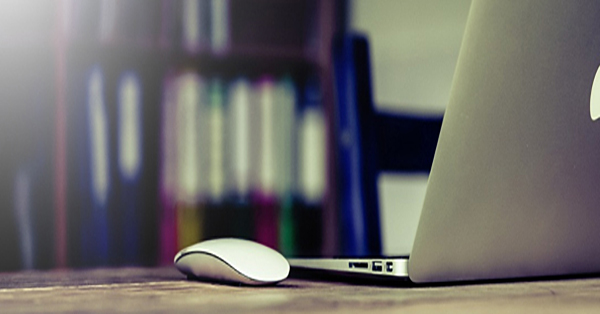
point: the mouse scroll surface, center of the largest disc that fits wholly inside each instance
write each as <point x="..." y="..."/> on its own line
<point x="234" y="261"/>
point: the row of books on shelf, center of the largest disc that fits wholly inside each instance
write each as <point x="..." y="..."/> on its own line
<point x="197" y="23"/>
<point x="151" y="126"/>
<point x="239" y="157"/>
<point x="215" y="157"/>
<point x="194" y="26"/>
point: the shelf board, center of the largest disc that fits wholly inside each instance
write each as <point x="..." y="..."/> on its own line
<point x="248" y="60"/>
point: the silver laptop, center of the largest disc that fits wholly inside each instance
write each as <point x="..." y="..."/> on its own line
<point x="514" y="190"/>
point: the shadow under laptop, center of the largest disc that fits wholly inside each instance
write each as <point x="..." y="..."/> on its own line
<point x="397" y="282"/>
<point x="352" y="279"/>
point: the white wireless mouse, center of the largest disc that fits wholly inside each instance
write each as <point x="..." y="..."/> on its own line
<point x="233" y="261"/>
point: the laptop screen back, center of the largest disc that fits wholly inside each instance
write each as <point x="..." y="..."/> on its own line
<point x="515" y="185"/>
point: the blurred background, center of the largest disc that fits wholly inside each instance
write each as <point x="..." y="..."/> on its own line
<point x="130" y="129"/>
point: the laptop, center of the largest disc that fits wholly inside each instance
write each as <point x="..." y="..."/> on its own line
<point x="514" y="189"/>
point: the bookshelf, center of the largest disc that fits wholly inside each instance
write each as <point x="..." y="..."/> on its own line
<point x="184" y="64"/>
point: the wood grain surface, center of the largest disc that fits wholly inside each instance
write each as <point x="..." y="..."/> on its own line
<point x="164" y="290"/>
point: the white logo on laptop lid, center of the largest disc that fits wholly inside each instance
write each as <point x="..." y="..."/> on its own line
<point x="595" y="97"/>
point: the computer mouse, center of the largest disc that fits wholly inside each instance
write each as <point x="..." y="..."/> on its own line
<point x="233" y="261"/>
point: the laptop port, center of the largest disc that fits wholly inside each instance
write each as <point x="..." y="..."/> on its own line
<point x="389" y="267"/>
<point x="377" y="266"/>
<point x="364" y="265"/>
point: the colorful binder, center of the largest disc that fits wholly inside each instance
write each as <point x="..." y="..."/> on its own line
<point x="285" y="160"/>
<point x="130" y="164"/>
<point x="95" y="241"/>
<point x="238" y="145"/>
<point x="220" y="221"/>
<point x="168" y="174"/>
<point x="190" y="214"/>
<point x="219" y="26"/>
<point x="195" y="25"/>
<point x="308" y="212"/>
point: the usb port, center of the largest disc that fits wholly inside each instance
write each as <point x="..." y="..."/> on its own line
<point x="358" y="265"/>
<point x="377" y="266"/>
<point x="389" y="267"/>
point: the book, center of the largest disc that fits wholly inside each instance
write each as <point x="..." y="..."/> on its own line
<point x="219" y="26"/>
<point x="311" y="147"/>
<point x="238" y="145"/>
<point x="308" y="213"/>
<point x="191" y="91"/>
<point x="285" y="106"/>
<point x="130" y="163"/>
<point x="214" y="128"/>
<point x="168" y="173"/>
<point x="264" y="198"/>
<point x="195" y="21"/>
<point x="220" y="219"/>
<point x="95" y="242"/>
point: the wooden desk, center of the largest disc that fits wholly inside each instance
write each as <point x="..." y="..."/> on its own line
<point x="164" y="290"/>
